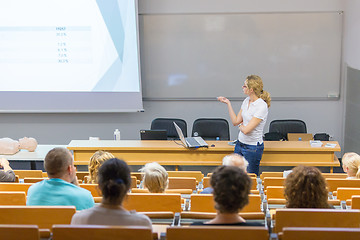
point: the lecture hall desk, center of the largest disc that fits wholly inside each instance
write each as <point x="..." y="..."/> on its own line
<point x="137" y="152"/>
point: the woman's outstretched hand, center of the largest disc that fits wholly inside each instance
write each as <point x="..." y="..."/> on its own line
<point x="223" y="100"/>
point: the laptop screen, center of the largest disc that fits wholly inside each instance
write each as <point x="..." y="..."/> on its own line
<point x="180" y="133"/>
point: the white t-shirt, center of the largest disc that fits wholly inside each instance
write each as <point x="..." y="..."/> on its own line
<point x="258" y="109"/>
<point x="103" y="216"/>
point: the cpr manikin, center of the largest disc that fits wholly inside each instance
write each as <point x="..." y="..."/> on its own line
<point x="10" y="146"/>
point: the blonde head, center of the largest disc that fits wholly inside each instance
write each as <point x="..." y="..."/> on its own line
<point x="155" y="177"/>
<point x="351" y="164"/>
<point x="255" y="83"/>
<point x="95" y="162"/>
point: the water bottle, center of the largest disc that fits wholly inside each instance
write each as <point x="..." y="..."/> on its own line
<point x="299" y="138"/>
<point x="217" y="138"/>
<point x="117" y="135"/>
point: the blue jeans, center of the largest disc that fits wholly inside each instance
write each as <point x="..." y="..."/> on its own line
<point x="252" y="153"/>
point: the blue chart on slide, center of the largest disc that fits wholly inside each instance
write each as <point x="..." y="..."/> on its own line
<point x="68" y="46"/>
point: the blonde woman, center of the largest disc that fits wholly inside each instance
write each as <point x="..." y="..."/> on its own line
<point x="155" y="177"/>
<point x="251" y="120"/>
<point x="95" y="162"/>
<point x="351" y="165"/>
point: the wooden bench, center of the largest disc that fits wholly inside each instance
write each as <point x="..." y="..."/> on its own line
<point x="17" y="187"/>
<point x="12" y="198"/>
<point x="42" y="216"/>
<point x="195" y="174"/>
<point x="16" y="232"/>
<point x="76" y="232"/>
<point x="182" y="183"/>
<point x="301" y="233"/>
<point x="217" y="232"/>
<point x="153" y="202"/>
<point x="273" y="181"/>
<point x="28" y="173"/>
<point x="295" y="217"/>
<point x="334" y="183"/>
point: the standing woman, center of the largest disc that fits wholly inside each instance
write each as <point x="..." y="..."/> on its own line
<point x="251" y="120"/>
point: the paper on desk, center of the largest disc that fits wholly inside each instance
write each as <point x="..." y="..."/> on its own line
<point x="330" y="145"/>
<point x="315" y="143"/>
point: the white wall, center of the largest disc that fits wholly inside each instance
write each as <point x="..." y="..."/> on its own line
<point x="320" y="116"/>
<point x="352" y="34"/>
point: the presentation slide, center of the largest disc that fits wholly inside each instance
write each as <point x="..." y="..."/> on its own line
<point x="69" y="46"/>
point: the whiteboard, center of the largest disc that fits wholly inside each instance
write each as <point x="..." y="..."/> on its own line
<point x="201" y="56"/>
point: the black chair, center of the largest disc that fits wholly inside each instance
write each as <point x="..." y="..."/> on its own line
<point x="168" y="125"/>
<point x="287" y="126"/>
<point x="211" y="128"/>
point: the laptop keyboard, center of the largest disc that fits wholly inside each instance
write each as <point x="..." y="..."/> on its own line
<point x="192" y="141"/>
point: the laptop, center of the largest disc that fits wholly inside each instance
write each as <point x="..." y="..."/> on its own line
<point x="297" y="136"/>
<point x="153" y="134"/>
<point x="190" y="142"/>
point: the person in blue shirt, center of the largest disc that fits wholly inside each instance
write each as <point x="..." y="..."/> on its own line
<point x="61" y="189"/>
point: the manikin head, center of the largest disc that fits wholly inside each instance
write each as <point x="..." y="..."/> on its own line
<point x="29" y="144"/>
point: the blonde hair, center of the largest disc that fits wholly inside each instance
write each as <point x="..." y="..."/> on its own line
<point x="95" y="162"/>
<point x="155" y="177"/>
<point x="351" y="160"/>
<point x="254" y="82"/>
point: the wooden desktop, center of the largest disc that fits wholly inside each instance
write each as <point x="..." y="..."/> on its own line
<point x="137" y="152"/>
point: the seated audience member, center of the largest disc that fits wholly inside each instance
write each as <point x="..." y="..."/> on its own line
<point x="10" y="146"/>
<point x="59" y="189"/>
<point x="305" y="187"/>
<point x="155" y="177"/>
<point x="233" y="159"/>
<point x="351" y="165"/>
<point x="231" y="193"/>
<point x="7" y="175"/>
<point x="96" y="160"/>
<point x="114" y="182"/>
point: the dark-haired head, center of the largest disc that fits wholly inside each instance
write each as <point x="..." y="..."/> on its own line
<point x="231" y="188"/>
<point x="305" y="187"/>
<point x="114" y="180"/>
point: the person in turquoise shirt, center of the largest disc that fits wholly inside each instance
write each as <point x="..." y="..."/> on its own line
<point x="61" y="189"/>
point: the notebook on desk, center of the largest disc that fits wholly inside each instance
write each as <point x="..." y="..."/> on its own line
<point x="190" y="142"/>
<point x="300" y="136"/>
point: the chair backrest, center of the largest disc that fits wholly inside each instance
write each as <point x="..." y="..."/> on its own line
<point x="270" y="174"/>
<point x="292" y="233"/>
<point x="206" y="182"/>
<point x="205" y="203"/>
<point x="33" y="180"/>
<point x="12" y="198"/>
<point x="28" y="173"/>
<point x="81" y="175"/>
<point x="334" y="183"/>
<point x="17" y="187"/>
<point x="138" y="175"/>
<point x="42" y="216"/>
<point x="182" y="183"/>
<point x="168" y="125"/>
<point x="211" y="128"/>
<point x="93" y="188"/>
<point x="196" y="174"/>
<point x="16" y="232"/>
<point x="75" y="232"/>
<point x="181" y="191"/>
<point x="355" y="202"/>
<point x="275" y="192"/>
<point x="334" y="175"/>
<point x="344" y="194"/>
<point x="287" y="126"/>
<point x="307" y="217"/>
<point x="152" y="202"/>
<point x="273" y="181"/>
<point x="216" y="233"/>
